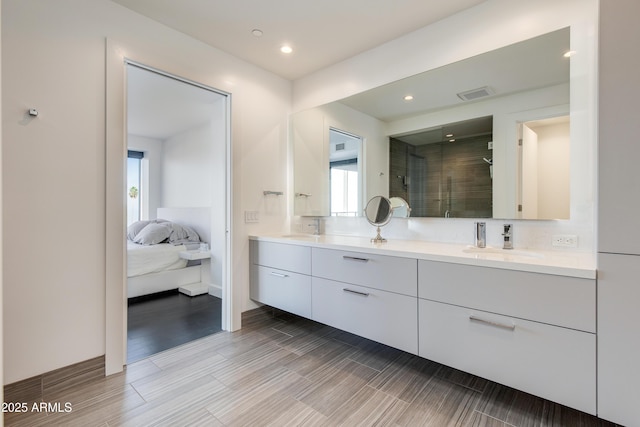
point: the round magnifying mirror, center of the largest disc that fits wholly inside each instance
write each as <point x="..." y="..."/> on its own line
<point x="400" y="207"/>
<point x="378" y="212"/>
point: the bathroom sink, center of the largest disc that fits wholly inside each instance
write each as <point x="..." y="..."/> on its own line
<point x="502" y="252"/>
<point x="310" y="237"/>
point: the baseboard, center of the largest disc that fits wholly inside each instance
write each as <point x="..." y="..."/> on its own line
<point x="215" y="290"/>
<point x="39" y="387"/>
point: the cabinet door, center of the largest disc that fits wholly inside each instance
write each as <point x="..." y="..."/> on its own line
<point x="385" y="317"/>
<point x="619" y="338"/>
<point x="548" y="361"/>
<point x="281" y="289"/>
<point x="618" y="128"/>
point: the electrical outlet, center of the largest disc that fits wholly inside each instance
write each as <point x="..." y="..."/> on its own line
<point x="251" y="216"/>
<point x="565" y="240"/>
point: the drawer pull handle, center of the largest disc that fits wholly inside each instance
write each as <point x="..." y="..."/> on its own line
<point x="492" y="323"/>
<point x="351" y="291"/>
<point x="353" y="258"/>
<point x="273" y="273"/>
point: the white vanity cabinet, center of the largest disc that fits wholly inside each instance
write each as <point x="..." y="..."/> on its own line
<point x="281" y="276"/>
<point x="534" y="332"/>
<point x="373" y="296"/>
<point x="524" y="324"/>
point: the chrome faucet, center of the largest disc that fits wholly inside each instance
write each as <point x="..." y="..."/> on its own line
<point x="316" y="225"/>
<point x="481" y="234"/>
<point x="508" y="235"/>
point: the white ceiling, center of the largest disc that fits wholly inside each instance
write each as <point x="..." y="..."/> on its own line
<point x="528" y="65"/>
<point x="161" y="107"/>
<point x="321" y="32"/>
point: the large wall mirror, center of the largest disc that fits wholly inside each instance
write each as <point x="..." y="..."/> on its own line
<point x="486" y="137"/>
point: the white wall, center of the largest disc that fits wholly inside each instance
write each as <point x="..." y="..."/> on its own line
<point x="187" y="177"/>
<point x="54" y="57"/>
<point x="554" y="158"/>
<point x="490" y="25"/>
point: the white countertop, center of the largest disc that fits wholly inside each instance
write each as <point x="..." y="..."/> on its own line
<point x="574" y="264"/>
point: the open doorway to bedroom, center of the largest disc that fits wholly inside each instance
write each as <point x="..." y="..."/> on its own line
<point x="176" y="210"/>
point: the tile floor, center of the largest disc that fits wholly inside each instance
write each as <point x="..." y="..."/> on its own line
<point x="281" y="370"/>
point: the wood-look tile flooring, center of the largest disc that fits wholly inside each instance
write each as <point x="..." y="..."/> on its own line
<point x="286" y="371"/>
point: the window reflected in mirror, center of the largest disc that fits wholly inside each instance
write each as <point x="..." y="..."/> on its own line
<point x="445" y="171"/>
<point x="345" y="173"/>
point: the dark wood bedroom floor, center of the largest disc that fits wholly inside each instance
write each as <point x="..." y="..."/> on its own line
<point x="168" y="320"/>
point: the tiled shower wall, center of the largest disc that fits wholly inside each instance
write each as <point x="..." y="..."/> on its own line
<point x="443" y="179"/>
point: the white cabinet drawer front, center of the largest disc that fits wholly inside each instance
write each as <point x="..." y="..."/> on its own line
<point x="548" y="361"/>
<point x="281" y="289"/>
<point x="393" y="274"/>
<point x="385" y="317"/>
<point x="280" y="255"/>
<point x="557" y="300"/>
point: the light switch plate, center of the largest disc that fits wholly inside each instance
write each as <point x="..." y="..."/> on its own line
<point x="251" y="216"/>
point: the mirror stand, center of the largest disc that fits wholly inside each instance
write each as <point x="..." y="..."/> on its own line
<point x="378" y="238"/>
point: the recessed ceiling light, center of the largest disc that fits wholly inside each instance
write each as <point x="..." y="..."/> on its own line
<point x="256" y="32"/>
<point x="452" y="140"/>
<point x="569" y="53"/>
<point x="449" y="135"/>
<point x="408" y="97"/>
<point x="286" y="49"/>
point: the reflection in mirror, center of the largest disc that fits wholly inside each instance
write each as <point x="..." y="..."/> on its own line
<point x="445" y="171"/>
<point x="544" y="165"/>
<point x="378" y="212"/>
<point x="344" y="173"/>
<point x="400" y="207"/>
<point x="507" y="83"/>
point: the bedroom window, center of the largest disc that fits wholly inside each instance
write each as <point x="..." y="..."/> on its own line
<point x="134" y="160"/>
<point x="344" y="188"/>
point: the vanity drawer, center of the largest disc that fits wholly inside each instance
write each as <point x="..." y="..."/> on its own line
<point x="393" y="274"/>
<point x="294" y="258"/>
<point x="557" y="300"/>
<point x="548" y="361"/>
<point x="385" y="317"/>
<point x="281" y="289"/>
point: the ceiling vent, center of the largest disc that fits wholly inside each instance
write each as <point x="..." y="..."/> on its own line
<point x="472" y="95"/>
<point x="340" y="146"/>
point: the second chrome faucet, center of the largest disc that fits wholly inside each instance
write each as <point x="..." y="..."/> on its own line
<point x="480" y="240"/>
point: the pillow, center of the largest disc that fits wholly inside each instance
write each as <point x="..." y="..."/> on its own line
<point x="182" y="234"/>
<point x="135" y="228"/>
<point x="153" y="233"/>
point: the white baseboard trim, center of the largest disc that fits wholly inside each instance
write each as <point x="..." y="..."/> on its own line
<point x="215" y="290"/>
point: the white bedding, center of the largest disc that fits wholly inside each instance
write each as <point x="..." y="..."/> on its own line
<point x="145" y="259"/>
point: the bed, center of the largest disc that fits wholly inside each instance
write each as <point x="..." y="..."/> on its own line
<point x="156" y="259"/>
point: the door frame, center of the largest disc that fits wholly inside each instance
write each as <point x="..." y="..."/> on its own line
<point x="115" y="202"/>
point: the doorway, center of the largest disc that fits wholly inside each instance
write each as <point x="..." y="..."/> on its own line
<point x="176" y="215"/>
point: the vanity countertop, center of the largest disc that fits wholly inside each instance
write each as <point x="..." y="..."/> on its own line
<point x="574" y="264"/>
